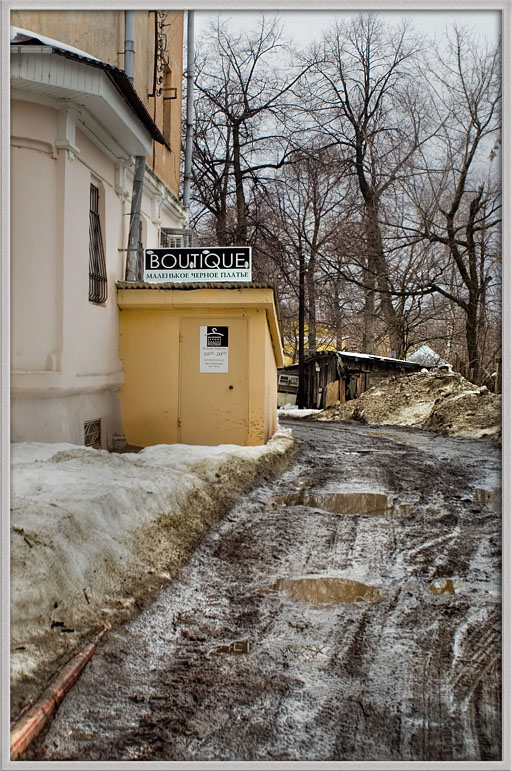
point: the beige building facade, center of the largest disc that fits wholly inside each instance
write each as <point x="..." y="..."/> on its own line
<point x="158" y="65"/>
<point x="77" y="124"/>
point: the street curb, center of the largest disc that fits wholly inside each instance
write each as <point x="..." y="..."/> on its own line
<point x="30" y="724"/>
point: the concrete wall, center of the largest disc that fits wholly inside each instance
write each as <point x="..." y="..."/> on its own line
<point x="61" y="419"/>
<point x="36" y="266"/>
<point x="99" y="33"/>
<point x="65" y="357"/>
<point x="166" y="111"/>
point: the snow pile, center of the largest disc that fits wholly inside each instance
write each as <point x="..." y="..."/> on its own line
<point x="441" y="401"/>
<point x="92" y="533"/>
<point x="471" y="415"/>
<point x="291" y="411"/>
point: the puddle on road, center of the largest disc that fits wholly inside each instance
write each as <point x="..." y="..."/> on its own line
<point x="80" y="735"/>
<point x="291" y="499"/>
<point x="236" y="648"/>
<point x="326" y="591"/>
<point x="387" y="435"/>
<point x="376" y="504"/>
<point x="354" y="504"/>
<point x="442" y="586"/>
<point x="490" y="498"/>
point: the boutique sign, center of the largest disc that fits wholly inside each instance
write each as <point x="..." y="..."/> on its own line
<point x="191" y="265"/>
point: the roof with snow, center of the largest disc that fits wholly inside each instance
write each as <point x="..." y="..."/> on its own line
<point x="369" y="356"/>
<point x="358" y="362"/>
<point x="23" y="38"/>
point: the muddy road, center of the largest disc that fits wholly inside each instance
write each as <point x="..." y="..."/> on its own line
<point x="349" y="610"/>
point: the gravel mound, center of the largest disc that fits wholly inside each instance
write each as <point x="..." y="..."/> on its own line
<point x="440" y="400"/>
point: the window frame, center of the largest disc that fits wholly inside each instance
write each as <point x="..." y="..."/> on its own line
<point x="98" y="280"/>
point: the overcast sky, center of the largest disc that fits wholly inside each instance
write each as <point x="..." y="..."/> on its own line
<point x="305" y="26"/>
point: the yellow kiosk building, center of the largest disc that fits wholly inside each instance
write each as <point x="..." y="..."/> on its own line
<point x="200" y="362"/>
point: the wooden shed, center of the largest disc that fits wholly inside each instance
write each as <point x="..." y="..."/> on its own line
<point x="332" y="376"/>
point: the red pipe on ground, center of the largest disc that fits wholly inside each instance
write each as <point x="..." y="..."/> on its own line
<point x="30" y="724"/>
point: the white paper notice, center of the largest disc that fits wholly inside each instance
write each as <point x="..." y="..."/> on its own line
<point x="213" y="349"/>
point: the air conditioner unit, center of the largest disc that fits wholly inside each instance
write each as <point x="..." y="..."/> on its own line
<point x="175" y="238"/>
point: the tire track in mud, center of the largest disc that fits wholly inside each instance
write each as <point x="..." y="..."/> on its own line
<point x="475" y="678"/>
<point x="414" y="676"/>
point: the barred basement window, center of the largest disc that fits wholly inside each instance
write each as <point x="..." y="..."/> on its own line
<point x="97" y="268"/>
<point x="92" y="433"/>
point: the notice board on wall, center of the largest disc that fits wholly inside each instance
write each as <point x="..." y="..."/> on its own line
<point x="213" y="349"/>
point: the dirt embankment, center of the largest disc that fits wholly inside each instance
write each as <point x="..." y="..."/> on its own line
<point x="441" y="401"/>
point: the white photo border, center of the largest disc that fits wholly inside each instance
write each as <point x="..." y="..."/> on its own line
<point x="502" y="6"/>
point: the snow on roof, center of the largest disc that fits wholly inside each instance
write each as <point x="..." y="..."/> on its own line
<point x="19" y="35"/>
<point x="368" y="356"/>
<point x="427" y="356"/>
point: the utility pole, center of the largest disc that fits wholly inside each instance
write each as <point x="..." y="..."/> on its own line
<point x="190" y="110"/>
<point x="133" y="268"/>
<point x="301" y="397"/>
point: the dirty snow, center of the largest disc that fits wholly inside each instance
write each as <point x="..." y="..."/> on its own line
<point x="441" y="401"/>
<point x="92" y="532"/>
<point x="18" y="35"/>
<point x="291" y="411"/>
<point x="413" y="677"/>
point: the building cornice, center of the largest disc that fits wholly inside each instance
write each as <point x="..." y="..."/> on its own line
<point x="41" y="73"/>
<point x="164" y="200"/>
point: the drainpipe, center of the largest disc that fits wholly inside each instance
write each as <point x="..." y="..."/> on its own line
<point x="190" y="109"/>
<point x="133" y="263"/>
<point x="129" y="44"/>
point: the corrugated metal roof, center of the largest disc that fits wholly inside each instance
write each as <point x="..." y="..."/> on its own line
<point x="348" y="355"/>
<point x="22" y="38"/>
<point x="370" y="356"/>
<point x="202" y="285"/>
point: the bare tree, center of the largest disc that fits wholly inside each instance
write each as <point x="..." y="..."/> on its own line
<point x="211" y="164"/>
<point x="300" y="216"/>
<point x="387" y="184"/>
<point x="244" y="86"/>
<point x="456" y="187"/>
<point x="366" y="103"/>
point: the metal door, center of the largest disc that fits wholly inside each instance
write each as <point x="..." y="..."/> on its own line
<point x="213" y="403"/>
